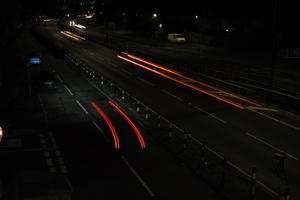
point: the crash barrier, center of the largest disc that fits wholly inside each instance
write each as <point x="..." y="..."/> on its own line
<point x="219" y="172"/>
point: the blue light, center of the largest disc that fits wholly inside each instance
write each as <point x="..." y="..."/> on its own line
<point x="34" y="60"/>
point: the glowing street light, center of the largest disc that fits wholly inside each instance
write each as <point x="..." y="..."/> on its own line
<point x="154" y="15"/>
<point x="1" y="133"/>
<point x="196" y="16"/>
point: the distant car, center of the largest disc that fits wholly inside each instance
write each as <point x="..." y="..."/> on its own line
<point x="176" y="38"/>
<point x="44" y="79"/>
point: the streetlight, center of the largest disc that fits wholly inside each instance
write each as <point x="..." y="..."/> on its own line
<point x="154" y="15"/>
<point x="196" y="17"/>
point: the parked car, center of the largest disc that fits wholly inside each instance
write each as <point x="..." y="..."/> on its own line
<point x="176" y="38"/>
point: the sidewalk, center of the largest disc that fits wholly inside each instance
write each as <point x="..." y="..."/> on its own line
<point x="24" y="172"/>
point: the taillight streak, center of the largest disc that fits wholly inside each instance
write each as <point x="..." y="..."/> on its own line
<point x="190" y="79"/>
<point x="134" y="128"/>
<point x="183" y="83"/>
<point x="109" y="124"/>
<point x="152" y="64"/>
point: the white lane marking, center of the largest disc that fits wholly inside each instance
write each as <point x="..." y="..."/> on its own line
<point x="102" y="132"/>
<point x="137" y="176"/>
<point x="67" y="88"/>
<point x="237" y="168"/>
<point x="211" y="115"/>
<point x="84" y="110"/>
<point x="262" y="108"/>
<point x="127" y="72"/>
<point x="276" y="120"/>
<point x="145" y="81"/>
<point x="59" y="78"/>
<point x="172" y="95"/>
<point x="271" y="146"/>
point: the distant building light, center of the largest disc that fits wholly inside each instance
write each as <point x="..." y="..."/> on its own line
<point x="160" y="25"/>
<point x="196" y="16"/>
<point x="154" y="15"/>
<point x="227" y="30"/>
<point x="123" y="13"/>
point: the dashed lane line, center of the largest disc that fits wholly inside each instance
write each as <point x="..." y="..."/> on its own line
<point x="59" y="78"/>
<point x="275" y="119"/>
<point x="137" y="176"/>
<point x="211" y="115"/>
<point x="67" y="88"/>
<point x="127" y="72"/>
<point x="81" y="106"/>
<point x="146" y="82"/>
<point x="102" y="132"/>
<point x="271" y="146"/>
<point x="172" y="95"/>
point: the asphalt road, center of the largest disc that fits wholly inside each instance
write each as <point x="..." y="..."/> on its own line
<point x="256" y="68"/>
<point x="249" y="137"/>
<point x="87" y="156"/>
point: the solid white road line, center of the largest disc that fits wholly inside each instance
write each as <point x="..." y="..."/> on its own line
<point x="172" y="95"/>
<point x="102" y="132"/>
<point x="67" y="88"/>
<point x="276" y="120"/>
<point x="211" y="115"/>
<point x="137" y="176"/>
<point x="84" y="110"/>
<point x="271" y="146"/>
<point x="145" y="81"/>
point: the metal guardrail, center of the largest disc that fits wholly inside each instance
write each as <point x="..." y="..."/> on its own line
<point x="204" y="161"/>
